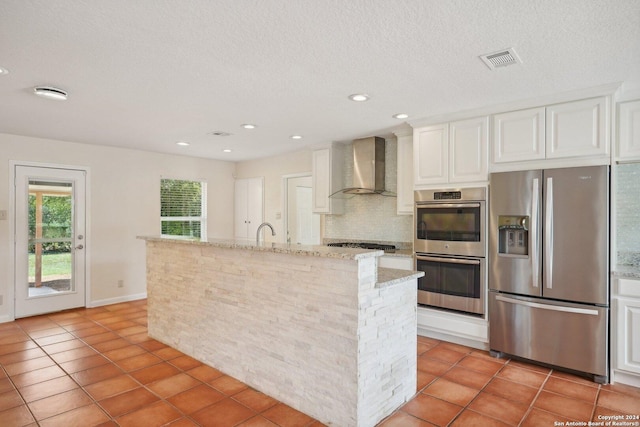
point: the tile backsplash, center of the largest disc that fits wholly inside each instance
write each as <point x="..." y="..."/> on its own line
<point x="627" y="211"/>
<point x="371" y="217"/>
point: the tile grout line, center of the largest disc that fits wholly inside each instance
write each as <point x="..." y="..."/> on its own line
<point x="18" y="391"/>
<point x="494" y="376"/>
<point x="530" y="408"/>
<point x="67" y="374"/>
<point x="595" y="402"/>
<point x="160" y="398"/>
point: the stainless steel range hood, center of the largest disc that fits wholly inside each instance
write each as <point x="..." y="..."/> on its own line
<point x="368" y="168"/>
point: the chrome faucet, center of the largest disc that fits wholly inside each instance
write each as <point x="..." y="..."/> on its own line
<point x="264" y="224"/>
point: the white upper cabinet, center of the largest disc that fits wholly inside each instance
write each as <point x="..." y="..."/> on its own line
<point x="518" y="135"/>
<point x="560" y="132"/>
<point x="431" y="154"/>
<point x="327" y="166"/>
<point x="453" y="152"/>
<point x="629" y="131"/>
<point x="577" y="129"/>
<point x="405" y="174"/>
<point x="468" y="143"/>
<point x="249" y="201"/>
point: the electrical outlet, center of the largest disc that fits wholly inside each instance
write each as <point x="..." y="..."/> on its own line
<point x="121" y="283"/>
<point x="3" y="215"/>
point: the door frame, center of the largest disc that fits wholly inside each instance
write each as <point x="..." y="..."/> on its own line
<point x="11" y="294"/>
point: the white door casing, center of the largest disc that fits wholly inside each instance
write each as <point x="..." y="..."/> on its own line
<point x="42" y="296"/>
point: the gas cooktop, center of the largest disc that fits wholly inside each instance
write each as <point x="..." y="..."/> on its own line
<point x="364" y="245"/>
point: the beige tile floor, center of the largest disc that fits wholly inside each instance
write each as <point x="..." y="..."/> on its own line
<point x="98" y="367"/>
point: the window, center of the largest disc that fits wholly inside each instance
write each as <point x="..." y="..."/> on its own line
<point x="183" y="208"/>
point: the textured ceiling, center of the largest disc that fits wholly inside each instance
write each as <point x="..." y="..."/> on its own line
<point x="147" y="73"/>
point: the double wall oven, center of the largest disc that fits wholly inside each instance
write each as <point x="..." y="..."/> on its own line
<point x="450" y="247"/>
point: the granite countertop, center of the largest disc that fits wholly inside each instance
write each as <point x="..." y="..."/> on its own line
<point x="391" y="276"/>
<point x="316" y="251"/>
<point x="386" y="276"/>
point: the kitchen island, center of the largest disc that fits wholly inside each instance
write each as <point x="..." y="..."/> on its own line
<point x="321" y="329"/>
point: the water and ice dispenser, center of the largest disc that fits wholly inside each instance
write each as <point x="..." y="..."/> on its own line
<point x="513" y="235"/>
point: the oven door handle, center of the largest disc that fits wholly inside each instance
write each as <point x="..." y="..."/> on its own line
<point x="446" y="205"/>
<point x="449" y="260"/>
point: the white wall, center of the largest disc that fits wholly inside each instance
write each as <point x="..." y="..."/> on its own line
<point x="273" y="169"/>
<point x="124" y="196"/>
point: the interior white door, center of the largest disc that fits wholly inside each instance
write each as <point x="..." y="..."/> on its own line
<point x="304" y="216"/>
<point x="301" y="224"/>
<point x="50" y="239"/>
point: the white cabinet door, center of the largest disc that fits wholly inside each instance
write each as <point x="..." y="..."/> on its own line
<point x="626" y="324"/>
<point x="629" y="131"/>
<point x="321" y="160"/>
<point x="519" y="135"/>
<point x="327" y="165"/>
<point x="468" y="147"/>
<point x="578" y="129"/>
<point x="248" y="211"/>
<point x="628" y="334"/>
<point x="405" y="175"/>
<point x="430" y="150"/>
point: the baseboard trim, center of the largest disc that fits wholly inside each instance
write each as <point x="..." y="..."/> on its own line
<point x="6" y="318"/>
<point x="468" y="342"/>
<point x="116" y="300"/>
<point x="627" y="378"/>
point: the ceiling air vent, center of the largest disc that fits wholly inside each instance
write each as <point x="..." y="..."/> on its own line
<point x="501" y="58"/>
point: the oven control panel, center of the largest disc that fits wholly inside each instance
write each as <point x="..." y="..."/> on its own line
<point x="447" y="195"/>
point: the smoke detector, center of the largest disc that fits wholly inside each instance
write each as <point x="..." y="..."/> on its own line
<point x="501" y="58"/>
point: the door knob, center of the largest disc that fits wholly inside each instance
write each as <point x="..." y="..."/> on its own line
<point x="79" y="247"/>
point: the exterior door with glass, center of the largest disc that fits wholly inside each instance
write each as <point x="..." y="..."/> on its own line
<point x="50" y="239"/>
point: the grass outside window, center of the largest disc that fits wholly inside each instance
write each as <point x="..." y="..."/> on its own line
<point x="52" y="264"/>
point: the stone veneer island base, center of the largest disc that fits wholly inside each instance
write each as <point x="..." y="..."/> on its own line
<point x="321" y="329"/>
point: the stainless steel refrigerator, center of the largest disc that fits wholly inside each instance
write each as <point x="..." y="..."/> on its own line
<point x="549" y="267"/>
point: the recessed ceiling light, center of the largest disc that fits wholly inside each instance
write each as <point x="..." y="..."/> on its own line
<point x="296" y="136"/>
<point x="400" y="116"/>
<point x="3" y="71"/>
<point x="226" y="150"/>
<point x="359" y="97"/>
<point x="50" y="92"/>
<point x="249" y="126"/>
<point x="183" y="143"/>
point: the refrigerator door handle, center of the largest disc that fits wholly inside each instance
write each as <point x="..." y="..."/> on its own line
<point x="591" y="312"/>
<point x="535" y="206"/>
<point x="548" y="224"/>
